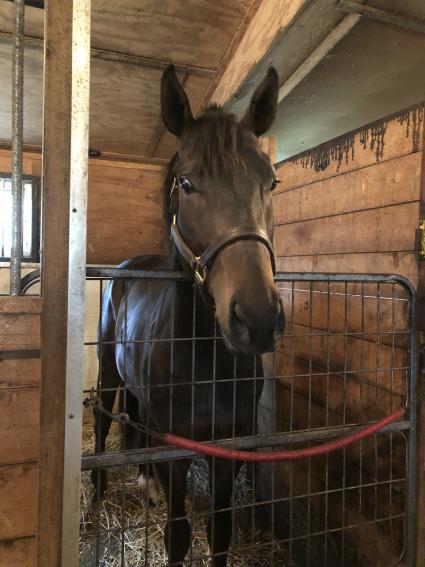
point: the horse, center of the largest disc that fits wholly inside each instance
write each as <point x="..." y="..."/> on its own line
<point x="218" y="210"/>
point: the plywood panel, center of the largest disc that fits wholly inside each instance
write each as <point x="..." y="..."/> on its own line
<point x="351" y="308"/>
<point x="360" y="360"/>
<point x="387" y="183"/>
<point x="18" y="495"/>
<point x="33" y="102"/>
<point x="19" y="323"/>
<point x="19" y="425"/>
<point x="182" y="32"/>
<point x="381" y="141"/>
<point x="123" y="120"/>
<point x="272" y="17"/>
<point x="20" y="373"/>
<point x="125" y="213"/>
<point x="18" y="553"/>
<point x="402" y="263"/>
<point x="378" y="230"/>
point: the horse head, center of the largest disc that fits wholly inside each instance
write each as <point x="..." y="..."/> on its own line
<point x="222" y="218"/>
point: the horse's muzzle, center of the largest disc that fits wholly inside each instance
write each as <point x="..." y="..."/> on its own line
<point x="255" y="328"/>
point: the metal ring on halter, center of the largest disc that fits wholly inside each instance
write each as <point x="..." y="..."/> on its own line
<point x="199" y="271"/>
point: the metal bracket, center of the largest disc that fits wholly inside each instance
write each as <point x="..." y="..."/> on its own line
<point x="420" y="238"/>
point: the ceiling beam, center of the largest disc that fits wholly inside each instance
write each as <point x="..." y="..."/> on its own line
<point x="330" y="41"/>
<point x="125" y="58"/>
<point x="381" y="16"/>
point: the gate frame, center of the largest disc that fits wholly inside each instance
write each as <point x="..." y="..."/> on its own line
<point x="409" y="425"/>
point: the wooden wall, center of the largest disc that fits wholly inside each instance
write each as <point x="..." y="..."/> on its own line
<point x="124" y="219"/>
<point x="19" y="418"/>
<point x="351" y="205"/>
<point x="124" y="207"/>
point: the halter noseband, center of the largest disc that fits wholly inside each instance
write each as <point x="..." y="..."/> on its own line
<point x="200" y="264"/>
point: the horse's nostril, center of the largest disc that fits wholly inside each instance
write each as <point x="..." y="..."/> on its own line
<point x="237" y="323"/>
<point x="280" y="321"/>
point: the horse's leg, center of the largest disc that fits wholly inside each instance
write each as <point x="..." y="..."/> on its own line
<point x="136" y="439"/>
<point x="107" y="384"/>
<point x="222" y="476"/>
<point x="177" y="531"/>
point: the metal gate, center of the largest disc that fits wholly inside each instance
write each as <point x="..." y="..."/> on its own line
<point x="347" y="359"/>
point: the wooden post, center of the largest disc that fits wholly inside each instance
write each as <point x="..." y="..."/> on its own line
<point x="65" y="160"/>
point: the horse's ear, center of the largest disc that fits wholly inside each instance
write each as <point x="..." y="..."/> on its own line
<point x="263" y="106"/>
<point x="175" y="107"/>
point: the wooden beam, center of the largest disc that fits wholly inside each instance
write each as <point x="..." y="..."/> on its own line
<point x="338" y="33"/>
<point x="65" y="157"/>
<point x="270" y="22"/>
<point x="381" y="16"/>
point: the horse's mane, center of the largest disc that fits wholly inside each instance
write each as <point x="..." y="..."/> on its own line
<point x="213" y="142"/>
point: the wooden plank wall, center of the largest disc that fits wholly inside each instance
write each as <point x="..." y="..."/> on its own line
<point x="19" y="419"/>
<point x="351" y="205"/>
<point x="124" y="207"/>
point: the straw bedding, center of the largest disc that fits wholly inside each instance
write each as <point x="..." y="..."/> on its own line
<point x="125" y="525"/>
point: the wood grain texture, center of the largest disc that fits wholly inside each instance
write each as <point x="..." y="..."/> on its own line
<point x="402" y="263"/>
<point x="368" y="543"/>
<point x="19" y="323"/>
<point x="18" y="495"/>
<point x="125" y="215"/>
<point x="198" y="35"/>
<point x="383" y="140"/>
<point x="19" y="425"/>
<point x="18" y="552"/>
<point x="385" y="229"/>
<point x="271" y="18"/>
<point x="21" y="373"/>
<point x="388" y="183"/>
<point x="350" y="308"/>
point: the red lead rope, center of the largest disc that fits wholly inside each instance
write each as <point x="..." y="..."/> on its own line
<point x="222" y="453"/>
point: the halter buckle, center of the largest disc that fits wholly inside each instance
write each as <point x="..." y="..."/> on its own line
<point x="199" y="271"/>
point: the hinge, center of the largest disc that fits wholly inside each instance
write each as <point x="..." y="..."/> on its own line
<point x="421" y="240"/>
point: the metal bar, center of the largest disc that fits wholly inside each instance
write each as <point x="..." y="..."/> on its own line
<point x="381" y="16"/>
<point x="161" y="454"/>
<point x="17" y="146"/>
<point x="128" y="59"/>
<point x="117" y="273"/>
<point x="65" y="157"/>
<point x="412" y="470"/>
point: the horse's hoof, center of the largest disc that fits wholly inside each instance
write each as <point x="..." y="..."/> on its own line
<point x="150" y="488"/>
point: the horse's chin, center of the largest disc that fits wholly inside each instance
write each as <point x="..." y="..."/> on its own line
<point x="236" y="349"/>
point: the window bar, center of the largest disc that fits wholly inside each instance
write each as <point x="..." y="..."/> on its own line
<point x="17" y="145"/>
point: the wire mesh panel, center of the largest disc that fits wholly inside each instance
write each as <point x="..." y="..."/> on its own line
<point x="346" y="359"/>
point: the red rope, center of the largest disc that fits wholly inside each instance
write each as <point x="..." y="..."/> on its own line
<point x="224" y="453"/>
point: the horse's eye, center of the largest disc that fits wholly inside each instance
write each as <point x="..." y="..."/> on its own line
<point x="185" y="184"/>
<point x="275" y="183"/>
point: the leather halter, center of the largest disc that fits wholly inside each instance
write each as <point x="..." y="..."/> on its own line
<point x="200" y="263"/>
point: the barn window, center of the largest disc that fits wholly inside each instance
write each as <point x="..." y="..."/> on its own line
<point x="30" y="218"/>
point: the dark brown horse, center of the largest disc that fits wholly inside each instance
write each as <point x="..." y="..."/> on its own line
<point x="218" y="208"/>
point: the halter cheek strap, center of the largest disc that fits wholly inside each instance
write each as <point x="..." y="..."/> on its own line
<point x="200" y="264"/>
